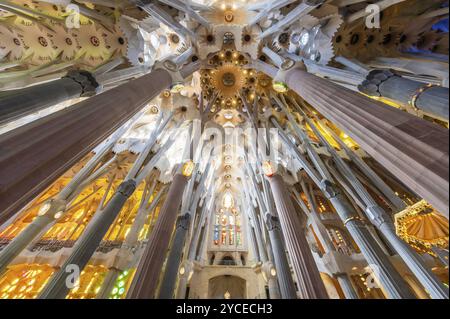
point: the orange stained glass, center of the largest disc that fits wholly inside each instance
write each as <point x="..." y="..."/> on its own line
<point x="75" y="220"/>
<point x="24" y="281"/>
<point x="90" y="283"/>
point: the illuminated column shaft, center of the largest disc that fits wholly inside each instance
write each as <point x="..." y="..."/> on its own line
<point x="173" y="262"/>
<point x="347" y="286"/>
<point x="430" y="99"/>
<point x="414" y="150"/>
<point x="254" y="244"/>
<point x="17" y="103"/>
<point x="387" y="191"/>
<point x="274" y="289"/>
<point x="317" y="222"/>
<point x="53" y="144"/>
<point x="89" y="241"/>
<point x="309" y="281"/>
<point x="193" y="247"/>
<point x="149" y="268"/>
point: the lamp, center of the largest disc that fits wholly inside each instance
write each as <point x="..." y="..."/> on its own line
<point x="268" y="169"/>
<point x="188" y="168"/>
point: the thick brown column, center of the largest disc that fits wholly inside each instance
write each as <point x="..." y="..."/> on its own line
<point x="34" y="155"/>
<point x="412" y="149"/>
<point x="308" y="278"/>
<point x="149" y="269"/>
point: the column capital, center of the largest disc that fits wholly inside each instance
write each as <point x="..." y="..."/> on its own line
<point x="127" y="188"/>
<point x="86" y="80"/>
<point x="272" y="222"/>
<point x="374" y="79"/>
<point x="183" y="221"/>
<point x="330" y="189"/>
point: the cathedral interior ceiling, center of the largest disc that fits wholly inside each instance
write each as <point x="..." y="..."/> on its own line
<point x="244" y="53"/>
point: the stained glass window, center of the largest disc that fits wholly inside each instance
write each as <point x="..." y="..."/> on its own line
<point x="227" y="228"/>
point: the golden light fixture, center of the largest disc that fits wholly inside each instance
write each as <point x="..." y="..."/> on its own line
<point x="188" y="168"/>
<point x="268" y="168"/>
<point x="176" y="87"/>
<point x="59" y="214"/>
<point x="280" y="87"/>
<point x="154" y="109"/>
<point x="44" y="208"/>
<point x="273" y="272"/>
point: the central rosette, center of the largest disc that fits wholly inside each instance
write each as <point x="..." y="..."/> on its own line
<point x="228" y="79"/>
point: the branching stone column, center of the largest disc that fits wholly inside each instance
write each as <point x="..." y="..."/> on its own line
<point x="131" y="241"/>
<point x="412" y="149"/>
<point x="102" y="221"/>
<point x="17" y="103"/>
<point x="384" y="223"/>
<point x="386" y="273"/>
<point x="86" y="245"/>
<point x="68" y="135"/>
<point x="431" y="99"/>
<point x="310" y="283"/>
<point x="149" y="269"/>
<point x="383" y="269"/>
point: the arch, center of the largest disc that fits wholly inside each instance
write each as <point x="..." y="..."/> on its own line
<point x="227" y="287"/>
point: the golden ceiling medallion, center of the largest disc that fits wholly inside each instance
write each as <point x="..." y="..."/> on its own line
<point x="228" y="80"/>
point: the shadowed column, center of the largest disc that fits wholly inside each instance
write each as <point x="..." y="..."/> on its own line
<point x="149" y="269"/>
<point x="17" y="103"/>
<point x="34" y="155"/>
<point x="309" y="280"/>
